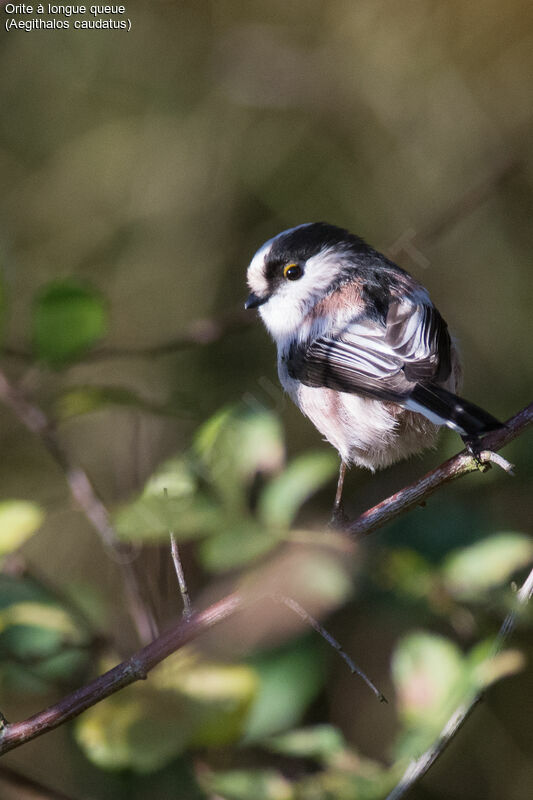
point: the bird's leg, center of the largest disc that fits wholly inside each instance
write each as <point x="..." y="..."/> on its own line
<point x="473" y="448"/>
<point x="338" y="517"/>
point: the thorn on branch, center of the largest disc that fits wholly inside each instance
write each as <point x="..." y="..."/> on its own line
<point x="180" y="574"/>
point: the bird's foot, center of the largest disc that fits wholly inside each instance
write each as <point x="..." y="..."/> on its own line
<point x="339" y="520"/>
<point x="485" y="458"/>
<point x="473" y="448"/>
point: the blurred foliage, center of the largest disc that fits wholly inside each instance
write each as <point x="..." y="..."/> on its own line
<point x="140" y="173"/>
<point x="205" y="493"/>
<point x="68" y="320"/>
<point x="186" y="703"/>
<point x="19" y="519"/>
<point x="41" y="642"/>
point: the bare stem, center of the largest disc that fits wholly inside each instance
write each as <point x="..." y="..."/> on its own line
<point x="187" y="607"/>
<point x="81" y="489"/>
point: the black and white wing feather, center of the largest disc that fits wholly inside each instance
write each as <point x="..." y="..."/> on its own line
<point x="403" y="360"/>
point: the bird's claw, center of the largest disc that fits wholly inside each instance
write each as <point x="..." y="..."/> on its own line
<point x="339" y="520"/>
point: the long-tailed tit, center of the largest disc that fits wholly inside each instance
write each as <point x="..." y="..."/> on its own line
<point x="362" y="350"/>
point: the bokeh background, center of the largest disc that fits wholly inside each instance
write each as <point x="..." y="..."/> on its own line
<point x="148" y="166"/>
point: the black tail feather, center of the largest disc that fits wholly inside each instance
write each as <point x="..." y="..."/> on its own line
<point x="456" y="412"/>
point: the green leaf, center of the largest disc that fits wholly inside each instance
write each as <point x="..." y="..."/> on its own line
<point x="170" y="501"/>
<point x="427" y="671"/>
<point x="236" y="545"/>
<point x="174" y="476"/>
<point x="357" y="779"/>
<point x="321" y="742"/>
<point x="290" y="678"/>
<point x="137" y="729"/>
<point x="283" y="496"/>
<point x="19" y="519"/>
<point x="149" y="519"/>
<point x="234" y="446"/>
<point x="259" y="784"/>
<point x="186" y="702"/>
<point x="488" y="667"/>
<point x="221" y="695"/>
<point x="472" y="571"/>
<point x="406" y="572"/>
<point x="68" y="319"/>
<point x="39" y="640"/>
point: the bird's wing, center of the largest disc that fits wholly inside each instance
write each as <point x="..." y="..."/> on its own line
<point x="384" y="361"/>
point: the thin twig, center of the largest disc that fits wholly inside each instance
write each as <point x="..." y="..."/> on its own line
<point x="36" y="421"/>
<point x="460" y="464"/>
<point x="187" y="606"/>
<point x="133" y="669"/>
<point x="419" y="766"/>
<point x="315" y="624"/>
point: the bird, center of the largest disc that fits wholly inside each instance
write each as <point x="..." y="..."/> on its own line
<point x="361" y="349"/>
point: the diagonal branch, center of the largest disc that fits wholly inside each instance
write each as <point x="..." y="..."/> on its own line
<point x="133" y="669"/>
<point x="457" y="466"/>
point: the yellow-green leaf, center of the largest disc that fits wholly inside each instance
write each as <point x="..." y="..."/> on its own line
<point x="283" y="496"/>
<point x="470" y="572"/>
<point x="68" y="319"/>
<point x="19" y="519"/>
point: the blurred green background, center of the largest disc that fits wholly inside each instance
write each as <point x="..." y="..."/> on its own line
<point x="140" y="172"/>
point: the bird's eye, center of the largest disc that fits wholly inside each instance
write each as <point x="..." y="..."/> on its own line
<point x="292" y="272"/>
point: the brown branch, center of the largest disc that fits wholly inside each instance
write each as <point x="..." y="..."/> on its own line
<point x="460" y="464"/>
<point x="36" y="421"/>
<point x="133" y="669"/>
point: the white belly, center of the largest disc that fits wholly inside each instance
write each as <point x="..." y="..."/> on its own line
<point x="366" y="432"/>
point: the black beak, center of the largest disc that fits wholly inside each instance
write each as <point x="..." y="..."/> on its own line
<point x="254" y="301"/>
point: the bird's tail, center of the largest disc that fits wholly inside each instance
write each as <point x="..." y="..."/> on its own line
<point x="448" y="409"/>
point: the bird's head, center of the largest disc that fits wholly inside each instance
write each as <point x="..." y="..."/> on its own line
<point x="296" y="269"/>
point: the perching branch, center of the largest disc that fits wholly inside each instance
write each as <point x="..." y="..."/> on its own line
<point x="133" y="669"/>
<point x="138" y="666"/>
<point x="455" y="467"/>
<point x="36" y="421"/>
